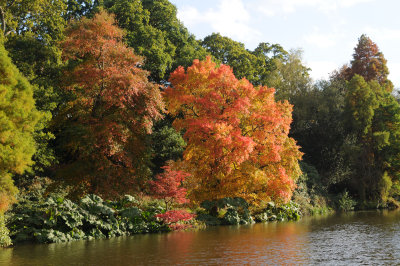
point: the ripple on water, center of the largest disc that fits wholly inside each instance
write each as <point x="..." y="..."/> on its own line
<point x="343" y="239"/>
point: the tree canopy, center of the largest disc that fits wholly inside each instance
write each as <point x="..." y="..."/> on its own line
<point x="113" y="106"/>
<point x="236" y="135"/>
<point x="18" y="120"/>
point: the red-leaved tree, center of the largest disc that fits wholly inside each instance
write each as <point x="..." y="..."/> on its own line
<point x="236" y="135"/>
<point x="112" y="107"/>
<point x="168" y="186"/>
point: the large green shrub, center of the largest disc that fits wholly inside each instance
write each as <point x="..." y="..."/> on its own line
<point x="57" y="219"/>
<point x="231" y="211"/>
<point x="5" y="239"/>
<point x="271" y="212"/>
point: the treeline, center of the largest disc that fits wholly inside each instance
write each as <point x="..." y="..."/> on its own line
<point x="99" y="97"/>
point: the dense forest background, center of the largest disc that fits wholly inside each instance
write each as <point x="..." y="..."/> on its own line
<point x="93" y="103"/>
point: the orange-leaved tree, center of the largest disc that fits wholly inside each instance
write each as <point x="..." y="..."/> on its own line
<point x="236" y="134"/>
<point x="112" y="108"/>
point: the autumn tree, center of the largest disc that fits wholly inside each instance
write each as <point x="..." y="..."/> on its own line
<point x="175" y="219"/>
<point x="113" y="105"/>
<point x="236" y="135"/>
<point x="155" y="32"/>
<point x="18" y="120"/>
<point x="168" y="186"/>
<point x="368" y="62"/>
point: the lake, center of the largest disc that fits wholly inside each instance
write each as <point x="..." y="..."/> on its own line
<point x="370" y="237"/>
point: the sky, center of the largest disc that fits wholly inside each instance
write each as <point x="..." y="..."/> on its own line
<point x="326" y="30"/>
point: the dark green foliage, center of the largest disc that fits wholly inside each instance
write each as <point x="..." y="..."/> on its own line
<point x="155" y="32"/>
<point x="167" y="144"/>
<point x="233" y="211"/>
<point x="227" y="211"/>
<point x="57" y="219"/>
<point x="345" y="202"/>
<point x="318" y="127"/>
<point x="311" y="193"/>
<point x="40" y="63"/>
<point x="257" y="66"/>
<point x="76" y="9"/>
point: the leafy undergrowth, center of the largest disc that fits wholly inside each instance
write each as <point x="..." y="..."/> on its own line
<point x="233" y="211"/>
<point x="57" y="219"/>
<point x="271" y="212"/>
<point x="61" y="220"/>
<point x="5" y="240"/>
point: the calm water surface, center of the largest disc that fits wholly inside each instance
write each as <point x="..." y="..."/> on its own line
<point x="341" y="239"/>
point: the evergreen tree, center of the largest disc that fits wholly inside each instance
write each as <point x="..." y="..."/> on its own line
<point x="18" y="121"/>
<point x="369" y="63"/>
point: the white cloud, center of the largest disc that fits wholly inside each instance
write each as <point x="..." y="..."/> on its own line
<point x="394" y="76"/>
<point x="189" y="15"/>
<point x="275" y="7"/>
<point x="230" y="19"/>
<point x="322" y="69"/>
<point x="321" y="40"/>
<point x="383" y="34"/>
<point x="324" y="39"/>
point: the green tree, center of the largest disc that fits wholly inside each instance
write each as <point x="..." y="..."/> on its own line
<point x="77" y="9"/>
<point x="36" y="17"/>
<point x="155" y="32"/>
<point x="290" y="77"/>
<point x="232" y="53"/>
<point x="318" y="127"/>
<point x="18" y="120"/>
<point x="360" y="107"/>
<point x="256" y="66"/>
<point x="33" y="30"/>
<point x="372" y="114"/>
<point x="166" y="144"/>
<point x="373" y="117"/>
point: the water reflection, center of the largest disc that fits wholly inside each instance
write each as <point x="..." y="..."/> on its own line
<point x="354" y="238"/>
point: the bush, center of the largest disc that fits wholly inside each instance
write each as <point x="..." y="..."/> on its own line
<point x="346" y="202"/>
<point x="5" y="239"/>
<point x="270" y="212"/>
<point x="311" y="195"/>
<point x="227" y="211"/>
<point x="57" y="219"/>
